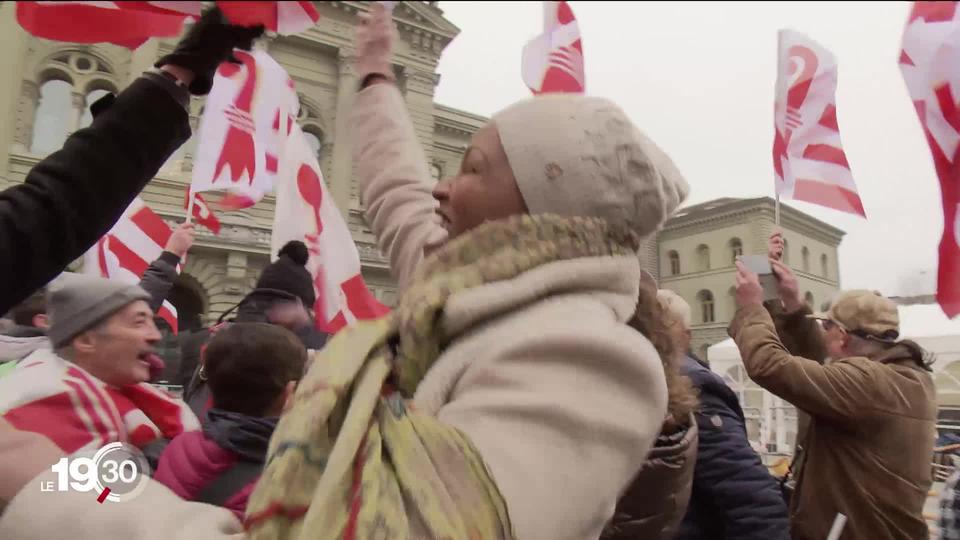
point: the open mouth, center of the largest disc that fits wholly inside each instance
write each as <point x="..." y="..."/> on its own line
<point x="443" y="220"/>
<point x="151" y="361"/>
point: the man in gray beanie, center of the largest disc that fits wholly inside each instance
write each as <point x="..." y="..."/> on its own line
<point x="91" y="390"/>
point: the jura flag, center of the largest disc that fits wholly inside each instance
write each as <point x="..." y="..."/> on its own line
<point x="124" y="253"/>
<point x="553" y="61"/>
<point x="808" y="158"/>
<point x="930" y="64"/>
<point x="306" y="212"/>
<point x="246" y="118"/>
<point x="127" y="24"/>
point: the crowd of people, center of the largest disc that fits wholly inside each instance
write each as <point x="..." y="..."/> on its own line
<point x="532" y="382"/>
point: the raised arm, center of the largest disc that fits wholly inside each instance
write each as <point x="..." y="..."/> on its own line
<point x="388" y="159"/>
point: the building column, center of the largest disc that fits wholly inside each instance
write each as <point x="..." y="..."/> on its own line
<point x="341" y="183"/>
<point x="78" y="101"/>
<point x="11" y="90"/>
<point x="26" y="110"/>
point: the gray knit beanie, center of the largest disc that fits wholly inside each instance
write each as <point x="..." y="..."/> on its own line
<point x="77" y="302"/>
<point x="576" y="155"/>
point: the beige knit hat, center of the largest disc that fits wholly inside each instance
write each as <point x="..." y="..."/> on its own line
<point x="576" y="155"/>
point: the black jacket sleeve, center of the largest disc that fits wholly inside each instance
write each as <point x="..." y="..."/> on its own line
<point x="746" y="498"/>
<point x="72" y="198"/>
<point x="159" y="277"/>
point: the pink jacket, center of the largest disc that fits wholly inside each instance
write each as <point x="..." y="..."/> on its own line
<point x="192" y="461"/>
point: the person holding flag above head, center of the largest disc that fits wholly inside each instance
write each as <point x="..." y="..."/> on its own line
<point x="72" y="197"/>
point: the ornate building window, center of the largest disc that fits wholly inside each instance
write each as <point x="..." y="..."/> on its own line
<point x="786" y="252"/>
<point x="52" y="116"/>
<point x="310" y="120"/>
<point x="316" y="143"/>
<point x="69" y="81"/>
<point x="736" y="250"/>
<point x="703" y="258"/>
<point x="824" y="266"/>
<point x="805" y="255"/>
<point x="705" y="298"/>
<point x="674" y="263"/>
<point x="436" y="172"/>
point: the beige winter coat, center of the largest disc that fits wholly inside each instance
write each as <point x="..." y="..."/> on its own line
<point x="562" y="399"/>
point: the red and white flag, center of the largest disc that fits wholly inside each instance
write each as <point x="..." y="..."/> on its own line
<point x="808" y="158"/>
<point x="553" y="61"/>
<point x="202" y="213"/>
<point x="306" y="212"/>
<point x="929" y="63"/>
<point x="124" y="253"/>
<point x="285" y="17"/>
<point x="246" y="118"/>
<point x="127" y="24"/>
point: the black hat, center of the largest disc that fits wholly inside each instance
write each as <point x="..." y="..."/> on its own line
<point x="289" y="274"/>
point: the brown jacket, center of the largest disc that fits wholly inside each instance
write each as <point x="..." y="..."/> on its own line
<point x="871" y="433"/>
<point x="655" y="503"/>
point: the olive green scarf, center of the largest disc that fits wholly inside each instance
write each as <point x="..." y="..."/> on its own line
<point x="349" y="459"/>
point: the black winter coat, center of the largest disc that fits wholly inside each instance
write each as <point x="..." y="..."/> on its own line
<point x="73" y="196"/>
<point x="734" y="496"/>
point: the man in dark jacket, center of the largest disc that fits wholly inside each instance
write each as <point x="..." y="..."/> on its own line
<point x="283" y="296"/>
<point x="73" y="196"/>
<point x="733" y="496"/>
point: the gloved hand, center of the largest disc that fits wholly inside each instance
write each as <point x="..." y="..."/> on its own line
<point x="208" y="44"/>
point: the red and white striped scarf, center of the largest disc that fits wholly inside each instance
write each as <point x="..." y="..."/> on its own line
<point x="78" y="412"/>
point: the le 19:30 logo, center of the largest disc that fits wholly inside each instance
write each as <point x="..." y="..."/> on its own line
<point x="117" y="472"/>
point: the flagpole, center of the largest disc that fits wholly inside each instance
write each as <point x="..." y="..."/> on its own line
<point x="776" y="210"/>
<point x="190" y="198"/>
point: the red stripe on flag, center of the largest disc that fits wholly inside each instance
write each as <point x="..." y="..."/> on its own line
<point x="829" y="118"/>
<point x="128" y="258"/>
<point x="95" y="390"/>
<point x="827" y="154"/>
<point x="54" y="417"/>
<point x="86" y="404"/>
<point x="152" y="225"/>
<point x="167" y="315"/>
<point x="829" y="195"/>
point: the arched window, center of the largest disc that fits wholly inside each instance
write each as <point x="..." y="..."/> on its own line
<point x="824" y="267"/>
<point x="808" y="298"/>
<point x="674" y="263"/>
<point x="315" y="142"/>
<point x="69" y="81"/>
<point x="732" y="302"/>
<point x="87" y="118"/>
<point x="703" y="258"/>
<point x="436" y="172"/>
<point x="786" y="252"/>
<point x="805" y="254"/>
<point x="736" y="250"/>
<point x="52" y="120"/>
<point x="707" y="311"/>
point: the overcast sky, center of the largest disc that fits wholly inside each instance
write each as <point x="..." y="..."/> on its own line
<point x="699" y="78"/>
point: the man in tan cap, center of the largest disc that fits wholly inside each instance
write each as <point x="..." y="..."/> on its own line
<point x="866" y="451"/>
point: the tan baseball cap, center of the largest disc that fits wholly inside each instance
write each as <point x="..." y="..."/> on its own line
<point x="864" y="311"/>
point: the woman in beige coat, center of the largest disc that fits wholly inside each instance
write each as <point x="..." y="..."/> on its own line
<point x="537" y="368"/>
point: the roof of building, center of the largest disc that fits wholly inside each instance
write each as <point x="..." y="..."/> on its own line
<point x="731" y="204"/>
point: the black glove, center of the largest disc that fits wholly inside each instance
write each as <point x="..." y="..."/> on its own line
<point x="207" y="45"/>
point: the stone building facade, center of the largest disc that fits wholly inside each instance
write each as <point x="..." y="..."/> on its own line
<point x="50" y="85"/>
<point x="698" y="245"/>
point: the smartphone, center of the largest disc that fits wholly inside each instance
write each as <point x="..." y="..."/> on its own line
<point x="760" y="265"/>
